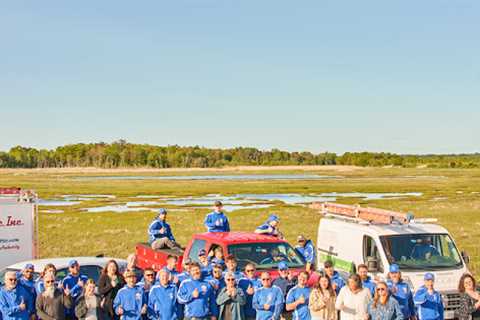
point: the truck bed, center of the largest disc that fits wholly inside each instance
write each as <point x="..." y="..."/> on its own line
<point x="156" y="259"/>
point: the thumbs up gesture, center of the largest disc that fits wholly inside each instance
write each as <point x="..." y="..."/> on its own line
<point x="301" y="300"/>
<point x="250" y="290"/>
<point x="195" y="293"/>
<point x="22" y="305"/>
<point x="120" y="311"/>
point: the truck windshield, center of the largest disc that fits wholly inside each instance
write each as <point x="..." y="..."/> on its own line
<point x="421" y="251"/>
<point x="266" y="255"/>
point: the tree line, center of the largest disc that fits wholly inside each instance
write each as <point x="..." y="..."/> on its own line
<point x="121" y="154"/>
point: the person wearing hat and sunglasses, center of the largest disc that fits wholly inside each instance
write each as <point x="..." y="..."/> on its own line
<point x="25" y="279"/>
<point x="270" y="227"/>
<point x="15" y="301"/>
<point x="204" y="263"/>
<point x="130" y="302"/>
<point x="249" y="284"/>
<point x="401" y="292"/>
<point x="217" y="221"/>
<point x="428" y="301"/>
<point x="306" y="248"/>
<point x="160" y="234"/>
<point x="74" y="282"/>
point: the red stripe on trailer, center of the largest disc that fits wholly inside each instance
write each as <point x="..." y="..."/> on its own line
<point x="11" y="190"/>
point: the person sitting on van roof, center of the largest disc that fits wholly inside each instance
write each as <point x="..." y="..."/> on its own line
<point x="367" y="282"/>
<point x="270" y="227"/>
<point x="428" y="300"/>
<point x="217" y="221"/>
<point x="307" y="250"/>
<point x="337" y="281"/>
<point x="160" y="233"/>
<point x="424" y="249"/>
<point x="401" y="291"/>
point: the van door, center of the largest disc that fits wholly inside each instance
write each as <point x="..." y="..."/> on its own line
<point x="371" y="252"/>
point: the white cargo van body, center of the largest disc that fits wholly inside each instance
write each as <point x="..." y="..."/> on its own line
<point x="416" y="247"/>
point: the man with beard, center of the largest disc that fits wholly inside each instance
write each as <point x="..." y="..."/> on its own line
<point x="53" y="302"/>
<point x="15" y="301"/>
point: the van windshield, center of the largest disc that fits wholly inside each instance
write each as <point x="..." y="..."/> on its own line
<point x="421" y="251"/>
<point x="266" y="255"/>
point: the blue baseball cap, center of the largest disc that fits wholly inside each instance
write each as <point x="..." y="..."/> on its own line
<point x="202" y="253"/>
<point x="273" y="217"/>
<point x="29" y="266"/>
<point x="282" y="265"/>
<point x="429" y="276"/>
<point x="72" y="263"/>
<point x="162" y="211"/>
<point x="394" y="268"/>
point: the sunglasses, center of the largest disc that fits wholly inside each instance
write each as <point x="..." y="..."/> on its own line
<point x="231" y="279"/>
<point x="266" y="279"/>
<point x="149" y="275"/>
<point x="250" y="270"/>
<point x="50" y="281"/>
<point x="381" y="289"/>
<point x="12" y="279"/>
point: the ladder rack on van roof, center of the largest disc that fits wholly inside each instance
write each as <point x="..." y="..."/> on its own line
<point x="371" y="215"/>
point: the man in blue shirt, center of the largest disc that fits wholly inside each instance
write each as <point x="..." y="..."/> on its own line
<point x="171" y="268"/>
<point x="231" y="264"/>
<point x="130" y="302"/>
<point x="428" y="300"/>
<point x="307" y="250"/>
<point x="249" y="283"/>
<point x="367" y="282"/>
<point x="401" y="292"/>
<point x="15" y="301"/>
<point x="204" y="263"/>
<point x="424" y="249"/>
<point x="337" y="280"/>
<point x="162" y="300"/>
<point x="74" y="282"/>
<point x="160" y="234"/>
<point x="270" y="227"/>
<point x="298" y="298"/>
<point x="268" y="300"/>
<point x="217" y="221"/>
<point x="25" y="279"/>
<point x="197" y="296"/>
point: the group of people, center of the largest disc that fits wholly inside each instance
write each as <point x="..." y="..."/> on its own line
<point x="214" y="288"/>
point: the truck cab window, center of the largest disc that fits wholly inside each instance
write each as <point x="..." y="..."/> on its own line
<point x="197" y="245"/>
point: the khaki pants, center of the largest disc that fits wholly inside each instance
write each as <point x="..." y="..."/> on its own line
<point x="163" y="243"/>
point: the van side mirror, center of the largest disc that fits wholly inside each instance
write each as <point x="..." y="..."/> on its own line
<point x="372" y="264"/>
<point x="465" y="257"/>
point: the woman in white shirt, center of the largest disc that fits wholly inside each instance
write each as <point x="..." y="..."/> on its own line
<point x="352" y="301"/>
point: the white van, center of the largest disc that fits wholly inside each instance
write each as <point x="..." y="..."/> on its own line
<point x="416" y="247"/>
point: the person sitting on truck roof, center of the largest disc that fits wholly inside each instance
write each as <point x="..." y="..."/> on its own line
<point x="15" y="301"/>
<point x="75" y="282"/>
<point x="249" y="283"/>
<point x="424" y="249"/>
<point x="160" y="233"/>
<point x="367" y="282"/>
<point x="231" y="264"/>
<point x="428" y="301"/>
<point x="268" y="300"/>
<point x="217" y="221"/>
<point x="298" y="298"/>
<point x="401" y="292"/>
<point x="307" y="250"/>
<point x="204" y="263"/>
<point x="270" y="227"/>
<point x="216" y="257"/>
<point x="162" y="299"/>
<point x="197" y="296"/>
<point x="130" y="302"/>
<point x="337" y="280"/>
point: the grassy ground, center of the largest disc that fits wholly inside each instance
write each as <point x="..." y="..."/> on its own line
<point x="450" y="195"/>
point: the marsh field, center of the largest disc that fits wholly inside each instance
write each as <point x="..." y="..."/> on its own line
<point x="94" y="211"/>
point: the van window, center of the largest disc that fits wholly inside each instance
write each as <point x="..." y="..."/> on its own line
<point x="197" y="245"/>
<point x="370" y="250"/>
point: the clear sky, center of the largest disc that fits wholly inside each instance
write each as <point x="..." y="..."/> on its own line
<point x="397" y="76"/>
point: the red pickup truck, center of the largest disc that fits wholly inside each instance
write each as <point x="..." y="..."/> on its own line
<point x="264" y="251"/>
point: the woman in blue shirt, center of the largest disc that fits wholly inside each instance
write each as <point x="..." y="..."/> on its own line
<point x="383" y="306"/>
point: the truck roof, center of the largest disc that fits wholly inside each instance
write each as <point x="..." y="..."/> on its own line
<point x="389" y="229"/>
<point x="236" y="237"/>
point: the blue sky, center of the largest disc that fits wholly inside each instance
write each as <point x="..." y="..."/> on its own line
<point x="397" y="76"/>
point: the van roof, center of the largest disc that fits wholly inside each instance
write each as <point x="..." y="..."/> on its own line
<point x="387" y="229"/>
